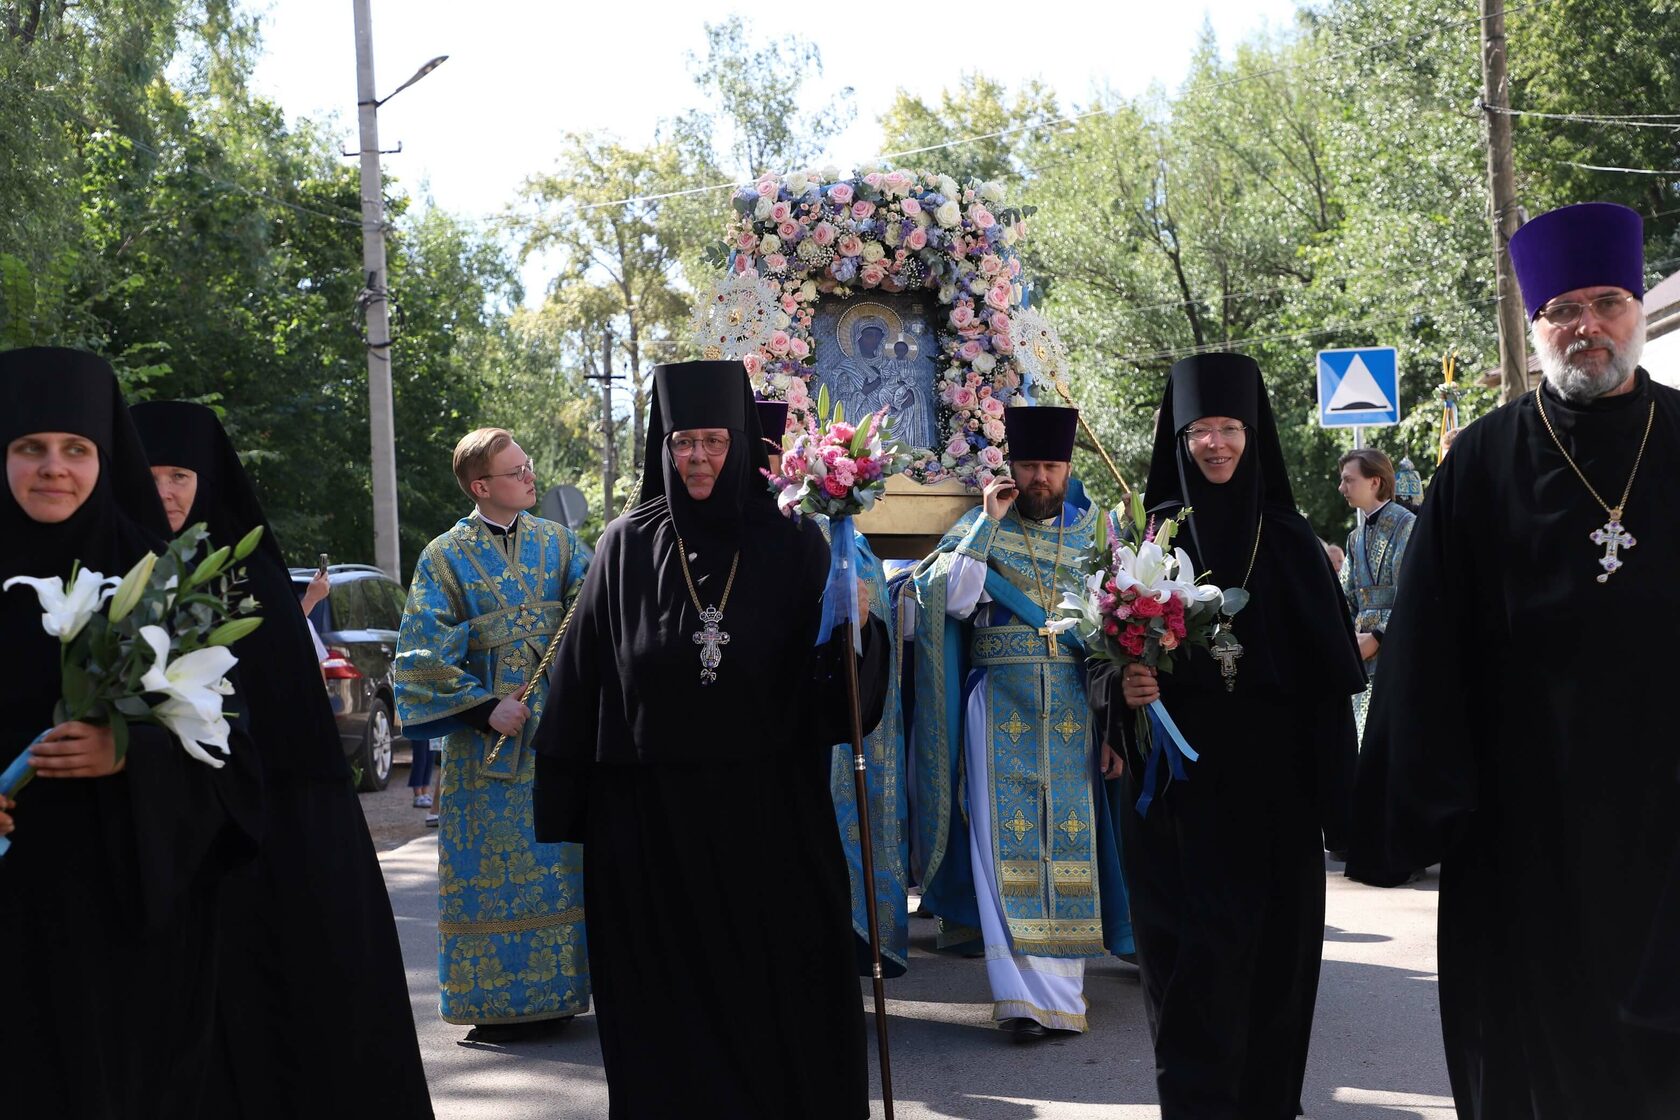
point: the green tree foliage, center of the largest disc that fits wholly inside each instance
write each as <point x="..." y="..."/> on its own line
<point x="987" y="130"/>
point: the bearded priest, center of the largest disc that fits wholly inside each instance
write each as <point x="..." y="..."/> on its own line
<point x="1030" y="865"/>
<point x="1521" y="733"/>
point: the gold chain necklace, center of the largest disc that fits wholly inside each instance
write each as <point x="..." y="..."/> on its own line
<point x="1227" y="652"/>
<point x="711" y="638"/>
<point x="1612" y="536"/>
<point x="1044" y="631"/>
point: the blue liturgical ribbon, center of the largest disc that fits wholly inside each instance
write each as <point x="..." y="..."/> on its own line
<point x="1168" y="741"/>
<point x="12" y="777"/>
<point x="839" y="602"/>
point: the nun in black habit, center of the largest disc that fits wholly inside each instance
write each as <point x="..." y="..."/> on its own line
<point x="319" y="949"/>
<point x="107" y="898"/>
<point x="693" y="797"/>
<point x="1227" y="870"/>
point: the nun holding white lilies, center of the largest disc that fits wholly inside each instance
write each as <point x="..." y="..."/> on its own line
<point x="107" y="936"/>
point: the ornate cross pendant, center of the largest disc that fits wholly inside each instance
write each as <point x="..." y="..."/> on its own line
<point x="1614" y="538"/>
<point x="1227" y="655"/>
<point x="711" y="639"/>
<point x="1049" y="637"/>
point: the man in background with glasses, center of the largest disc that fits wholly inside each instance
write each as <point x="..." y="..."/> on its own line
<point x="486" y="599"/>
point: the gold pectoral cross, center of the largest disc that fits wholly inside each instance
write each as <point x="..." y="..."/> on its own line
<point x="1049" y="636"/>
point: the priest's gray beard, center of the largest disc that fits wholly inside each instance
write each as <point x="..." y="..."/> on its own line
<point x="1578" y="384"/>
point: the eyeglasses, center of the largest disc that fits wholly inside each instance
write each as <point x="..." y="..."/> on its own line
<point x="525" y="472"/>
<point x="1229" y="433"/>
<point x="683" y="446"/>
<point x="1604" y="308"/>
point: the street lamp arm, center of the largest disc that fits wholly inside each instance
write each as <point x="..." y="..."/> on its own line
<point x="418" y="74"/>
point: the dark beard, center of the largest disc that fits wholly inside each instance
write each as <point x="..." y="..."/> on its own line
<point x="1037" y="507"/>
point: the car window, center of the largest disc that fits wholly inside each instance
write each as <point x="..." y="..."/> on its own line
<point x="399" y="599"/>
<point x="349" y="606"/>
<point x="384" y="610"/>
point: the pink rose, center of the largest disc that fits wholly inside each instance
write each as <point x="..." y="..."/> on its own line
<point x="910" y="207"/>
<point x="992" y="430"/>
<point x="1169" y="641"/>
<point x="1147" y="606"/>
<point x="959" y="247"/>
<point x="957" y="448"/>
<point x="917" y="239"/>
<point x="863" y="209"/>
<point x="779" y="341"/>
<point x="1015" y="267"/>
<point x="790" y="304"/>
<point x="963" y="397"/>
<point x="797" y="394"/>
<point x="868" y="469"/>
<point x="1003" y="344"/>
<point x="874" y="179"/>
<point x="824" y="234"/>
<point x="754" y="363"/>
<point x="787" y="229"/>
<point x="962" y="315"/>
<point x="849" y="246"/>
<point x="834" y="487"/>
<point x="969" y="350"/>
<point x="990" y="265"/>
<point x="767" y="188"/>
<point x="1000" y="322"/>
<point x="841" y="194"/>
<point x="743" y="264"/>
<point x="981" y="217"/>
<point x="799" y="348"/>
<point x="898" y="182"/>
<point x="793" y="466"/>
<point x="997" y="296"/>
<point x="991" y="458"/>
<point x="842" y="433"/>
<point x="873" y="274"/>
<point x="775" y="262"/>
<point x="991" y="406"/>
<point x="780" y="212"/>
<point x="747" y="242"/>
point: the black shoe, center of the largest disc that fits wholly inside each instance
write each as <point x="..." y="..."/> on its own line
<point x="1024" y="1030"/>
<point x="495" y="1034"/>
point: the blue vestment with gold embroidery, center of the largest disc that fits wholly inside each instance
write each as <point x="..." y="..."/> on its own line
<point x="510" y="911"/>
<point x="883" y="751"/>
<point x="1054" y="841"/>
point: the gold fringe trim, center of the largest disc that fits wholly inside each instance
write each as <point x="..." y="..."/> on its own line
<point x="514" y="925"/>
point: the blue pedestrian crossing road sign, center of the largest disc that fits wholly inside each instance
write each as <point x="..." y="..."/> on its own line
<point x="1358" y="387"/>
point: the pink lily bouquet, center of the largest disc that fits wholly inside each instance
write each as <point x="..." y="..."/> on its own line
<point x="1147" y="608"/>
<point x="835" y="468"/>
<point x="150" y="647"/>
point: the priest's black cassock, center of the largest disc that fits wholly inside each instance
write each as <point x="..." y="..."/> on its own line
<point x="699" y="805"/>
<point x="317" y="942"/>
<point x="107" y="897"/>
<point x="1523" y="736"/>
<point x="1226" y="871"/>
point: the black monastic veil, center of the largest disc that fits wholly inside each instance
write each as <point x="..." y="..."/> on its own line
<point x="689" y="799"/>
<point x="106" y="897"/>
<point x="311" y="916"/>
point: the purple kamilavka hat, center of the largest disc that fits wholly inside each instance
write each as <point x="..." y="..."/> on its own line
<point x="1581" y="246"/>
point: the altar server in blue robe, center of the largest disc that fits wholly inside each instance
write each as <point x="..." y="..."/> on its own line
<point x="1032" y="860"/>
<point x="487" y="597"/>
<point x="883" y="751"/>
<point x="1375" y="550"/>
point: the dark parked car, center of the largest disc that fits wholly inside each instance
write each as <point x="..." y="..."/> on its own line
<point x="358" y="623"/>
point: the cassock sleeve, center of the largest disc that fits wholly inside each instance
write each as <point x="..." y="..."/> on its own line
<point x="1416" y="784"/>
<point x="568" y="737"/>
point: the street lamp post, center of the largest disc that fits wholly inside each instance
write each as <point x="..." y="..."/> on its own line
<point x="375" y="296"/>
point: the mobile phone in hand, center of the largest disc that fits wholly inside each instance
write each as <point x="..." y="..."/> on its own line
<point x="323" y="564"/>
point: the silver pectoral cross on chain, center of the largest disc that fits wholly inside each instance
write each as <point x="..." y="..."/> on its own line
<point x="1226" y="654"/>
<point x="711" y="638"/>
<point x="1614" y="538"/>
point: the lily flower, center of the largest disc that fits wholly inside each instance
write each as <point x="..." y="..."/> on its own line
<point x="193" y="679"/>
<point x="67" y="612"/>
<point x="195" y="731"/>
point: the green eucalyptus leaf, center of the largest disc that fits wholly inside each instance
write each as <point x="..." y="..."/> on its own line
<point x="1232" y="600"/>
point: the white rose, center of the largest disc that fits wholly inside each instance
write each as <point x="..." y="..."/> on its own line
<point x="761" y="209"/>
<point x="924" y="219"/>
<point x="1009" y="237"/>
<point x="992" y="190"/>
<point x="796" y="182"/>
<point x="779" y="321"/>
<point x="983" y="362"/>
<point x="830" y="173"/>
<point x="948" y="186"/>
<point x="868" y="168"/>
<point x="807" y="250"/>
<point x="770" y="244"/>
<point x="872" y="252"/>
<point x="948" y="214"/>
<point x="966" y="268"/>
<point x="892" y="235"/>
<point x="808" y="291"/>
<point x="947" y="293"/>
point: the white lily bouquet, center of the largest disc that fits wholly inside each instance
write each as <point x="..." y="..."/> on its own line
<point x="151" y="647"/>
<point x="1146" y="607"/>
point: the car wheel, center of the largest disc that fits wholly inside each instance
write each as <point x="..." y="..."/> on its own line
<point x="377" y="748"/>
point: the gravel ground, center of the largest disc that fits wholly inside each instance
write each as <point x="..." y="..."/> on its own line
<point x="392" y="818"/>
